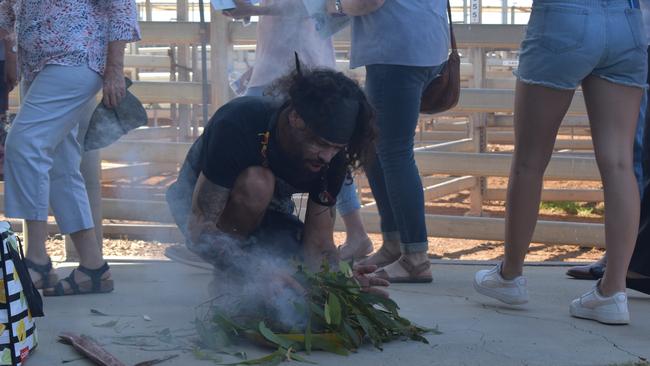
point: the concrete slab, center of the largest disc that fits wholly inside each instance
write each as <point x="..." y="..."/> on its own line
<point x="476" y="330"/>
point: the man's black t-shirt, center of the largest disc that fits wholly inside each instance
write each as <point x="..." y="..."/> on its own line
<point x="232" y="142"/>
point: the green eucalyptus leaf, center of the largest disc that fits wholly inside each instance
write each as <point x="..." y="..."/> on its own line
<point x="334" y="309"/>
<point x="328" y="313"/>
<point x="345" y="268"/>
<point x="308" y="337"/>
<point x="274" y="338"/>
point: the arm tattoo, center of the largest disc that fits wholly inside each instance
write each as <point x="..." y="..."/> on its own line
<point x="213" y="245"/>
<point x="209" y="200"/>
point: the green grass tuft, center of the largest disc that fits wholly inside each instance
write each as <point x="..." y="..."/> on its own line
<point x="573" y="208"/>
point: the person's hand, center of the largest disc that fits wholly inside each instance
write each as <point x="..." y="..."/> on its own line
<point x="243" y="9"/>
<point x="278" y="288"/>
<point x="114" y="86"/>
<point x="280" y="281"/>
<point x="368" y="282"/>
<point x="11" y="71"/>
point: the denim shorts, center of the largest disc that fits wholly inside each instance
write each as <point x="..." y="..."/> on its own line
<point x="568" y="40"/>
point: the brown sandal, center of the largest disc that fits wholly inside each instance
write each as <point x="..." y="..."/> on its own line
<point x="96" y="285"/>
<point x="414" y="271"/>
<point x="48" y="278"/>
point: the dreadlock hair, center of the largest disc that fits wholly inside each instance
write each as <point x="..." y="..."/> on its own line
<point x="328" y="86"/>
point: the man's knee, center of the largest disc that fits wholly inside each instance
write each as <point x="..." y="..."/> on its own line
<point x="254" y="188"/>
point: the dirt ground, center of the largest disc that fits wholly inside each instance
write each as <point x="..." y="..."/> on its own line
<point x="440" y="248"/>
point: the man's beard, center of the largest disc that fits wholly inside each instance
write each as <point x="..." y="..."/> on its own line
<point x="299" y="167"/>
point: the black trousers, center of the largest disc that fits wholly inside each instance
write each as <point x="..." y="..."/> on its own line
<point x="641" y="258"/>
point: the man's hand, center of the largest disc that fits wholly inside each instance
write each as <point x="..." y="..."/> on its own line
<point x="114" y="86"/>
<point x="280" y="281"/>
<point x="370" y="283"/>
<point x="243" y="9"/>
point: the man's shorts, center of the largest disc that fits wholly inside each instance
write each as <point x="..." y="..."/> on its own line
<point x="279" y="233"/>
<point x="568" y="40"/>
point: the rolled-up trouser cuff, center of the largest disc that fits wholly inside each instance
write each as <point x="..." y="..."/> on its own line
<point x="408" y="248"/>
<point x="347" y="200"/>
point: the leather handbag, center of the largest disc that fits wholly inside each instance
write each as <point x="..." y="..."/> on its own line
<point x="443" y="92"/>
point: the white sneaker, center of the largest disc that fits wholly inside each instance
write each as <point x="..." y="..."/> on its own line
<point x="607" y="310"/>
<point x="490" y="283"/>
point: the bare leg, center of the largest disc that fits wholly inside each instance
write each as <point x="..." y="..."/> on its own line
<point x="357" y="244"/>
<point x="613" y="112"/>
<point x="36" y="236"/>
<point x="354" y="229"/>
<point x="90" y="255"/>
<point x="538" y="114"/>
<point x="85" y="243"/>
<point x="248" y="201"/>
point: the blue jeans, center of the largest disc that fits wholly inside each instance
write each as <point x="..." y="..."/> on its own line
<point x="347" y="200"/>
<point x="395" y="92"/>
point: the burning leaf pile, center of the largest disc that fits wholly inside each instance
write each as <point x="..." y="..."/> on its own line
<point x="338" y="318"/>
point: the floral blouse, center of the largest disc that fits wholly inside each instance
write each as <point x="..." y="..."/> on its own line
<point x="67" y="32"/>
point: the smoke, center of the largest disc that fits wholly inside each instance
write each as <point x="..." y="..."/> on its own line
<point x="252" y="281"/>
<point x="279" y="36"/>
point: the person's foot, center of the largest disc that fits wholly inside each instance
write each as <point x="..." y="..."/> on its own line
<point x="41" y="272"/>
<point x="607" y="310"/>
<point x="490" y="282"/>
<point x="179" y="253"/>
<point x="388" y="253"/>
<point x="592" y="271"/>
<point x="355" y="249"/>
<point x="83" y="282"/>
<point x="409" y="268"/>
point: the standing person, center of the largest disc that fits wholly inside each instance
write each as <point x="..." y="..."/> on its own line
<point x="403" y="45"/>
<point x="68" y="51"/>
<point x="596" y="270"/>
<point x="600" y="45"/>
<point x="284" y="28"/>
<point x="638" y="275"/>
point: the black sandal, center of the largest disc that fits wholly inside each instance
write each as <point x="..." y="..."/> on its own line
<point x="98" y="285"/>
<point x="45" y="271"/>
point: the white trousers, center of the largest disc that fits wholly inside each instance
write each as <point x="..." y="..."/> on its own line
<point x="43" y="151"/>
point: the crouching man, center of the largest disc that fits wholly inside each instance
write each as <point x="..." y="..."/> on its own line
<point x="234" y="191"/>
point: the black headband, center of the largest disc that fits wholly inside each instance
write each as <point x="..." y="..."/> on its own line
<point x="334" y="122"/>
